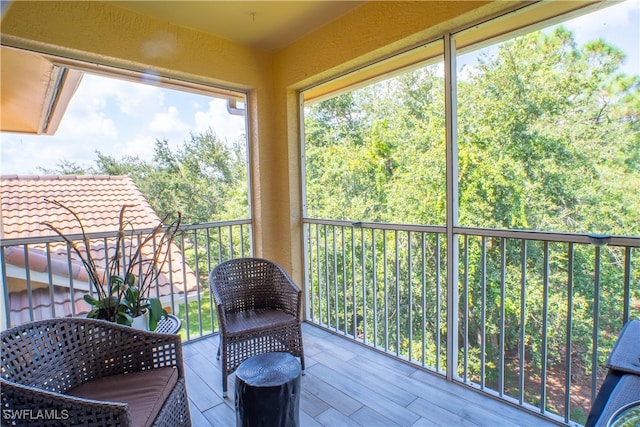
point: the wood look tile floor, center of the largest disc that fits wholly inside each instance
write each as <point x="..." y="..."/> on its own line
<point x="347" y="384"/>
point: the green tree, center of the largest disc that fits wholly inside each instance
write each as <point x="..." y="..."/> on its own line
<point x="205" y="179"/>
<point x="548" y="140"/>
<point x="543" y="143"/>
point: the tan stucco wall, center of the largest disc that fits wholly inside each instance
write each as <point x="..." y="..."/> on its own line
<point x="104" y="34"/>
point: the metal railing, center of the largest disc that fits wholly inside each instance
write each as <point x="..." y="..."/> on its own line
<point x="537" y="313"/>
<point x="41" y="278"/>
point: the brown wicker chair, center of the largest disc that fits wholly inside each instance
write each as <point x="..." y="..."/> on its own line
<point x="43" y="363"/>
<point x="259" y="311"/>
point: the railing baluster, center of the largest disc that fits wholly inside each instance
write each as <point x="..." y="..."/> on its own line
<point x="567" y="360"/>
<point x="27" y="269"/>
<point x="627" y="285"/>
<point x="210" y="267"/>
<point x="6" y="301"/>
<point x="197" y="267"/>
<point x="184" y="290"/>
<point x="172" y="294"/>
<point x="483" y="315"/>
<point x="410" y="295"/>
<point x="396" y="277"/>
<point x="523" y="312"/>
<point x="503" y="268"/>
<point x="242" y="241"/>
<point x="326" y="276"/>
<point x="438" y="333"/>
<point x="310" y="293"/>
<point x="374" y="269"/>
<point x="465" y="313"/>
<point x="364" y="286"/>
<point x="374" y="286"/>
<point x="220" y="257"/>
<point x="71" y="287"/>
<point x="354" y="310"/>
<point x="385" y="277"/>
<point x="596" y="322"/>
<point x="52" y="300"/>
<point x="545" y="316"/>
<point x="336" y="305"/>
<point x="318" y="316"/>
<point x="423" y="254"/>
<point x="345" y="315"/>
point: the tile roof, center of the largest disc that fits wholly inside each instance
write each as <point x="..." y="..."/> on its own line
<point x="97" y="201"/>
<point x="41" y="304"/>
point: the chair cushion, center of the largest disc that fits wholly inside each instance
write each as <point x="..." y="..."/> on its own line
<point x="257" y="319"/>
<point x="625" y="355"/>
<point x="144" y="391"/>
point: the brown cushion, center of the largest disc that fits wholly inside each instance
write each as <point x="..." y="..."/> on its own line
<point x="144" y="391"/>
<point x="249" y="320"/>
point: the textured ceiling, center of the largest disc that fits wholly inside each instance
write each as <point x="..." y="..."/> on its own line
<point x="266" y="25"/>
<point x="30" y="106"/>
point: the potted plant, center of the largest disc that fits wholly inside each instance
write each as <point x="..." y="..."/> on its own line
<point x="122" y="288"/>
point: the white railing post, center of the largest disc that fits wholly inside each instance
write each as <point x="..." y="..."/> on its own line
<point x="452" y="206"/>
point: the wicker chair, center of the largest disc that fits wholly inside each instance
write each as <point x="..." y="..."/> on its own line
<point x="47" y="364"/>
<point x="259" y="311"/>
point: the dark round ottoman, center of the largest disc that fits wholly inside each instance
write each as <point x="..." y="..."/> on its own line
<point x="268" y="391"/>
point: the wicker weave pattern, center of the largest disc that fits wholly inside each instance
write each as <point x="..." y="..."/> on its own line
<point x="259" y="311"/>
<point x="41" y="360"/>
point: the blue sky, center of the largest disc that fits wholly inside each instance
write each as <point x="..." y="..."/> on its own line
<point x="618" y="25"/>
<point x="121" y="118"/>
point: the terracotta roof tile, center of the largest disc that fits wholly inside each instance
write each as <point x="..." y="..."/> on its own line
<point x="97" y="201"/>
<point x="41" y="304"/>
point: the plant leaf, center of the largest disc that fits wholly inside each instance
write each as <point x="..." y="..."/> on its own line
<point x="156" y="312"/>
<point x="91" y="300"/>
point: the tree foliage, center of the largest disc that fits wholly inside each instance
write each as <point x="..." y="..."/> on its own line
<point x="205" y="179"/>
<point x="548" y="140"/>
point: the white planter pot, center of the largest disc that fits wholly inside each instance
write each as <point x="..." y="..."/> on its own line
<point x="141" y="322"/>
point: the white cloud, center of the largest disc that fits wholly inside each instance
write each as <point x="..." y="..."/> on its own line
<point x="168" y="122"/>
<point x="87" y="128"/>
<point x="140" y="98"/>
<point x="224" y="125"/>
<point x="130" y="98"/>
<point x="141" y="146"/>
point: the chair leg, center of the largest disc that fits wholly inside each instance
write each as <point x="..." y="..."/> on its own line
<point x="301" y="349"/>
<point x="225" y="375"/>
<point x="223" y="365"/>
<point x="224" y="384"/>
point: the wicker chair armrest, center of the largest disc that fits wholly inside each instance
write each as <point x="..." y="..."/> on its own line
<point x="28" y="405"/>
<point x="222" y="317"/>
<point x="288" y="296"/>
<point x="72" y="351"/>
<point x="142" y="350"/>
